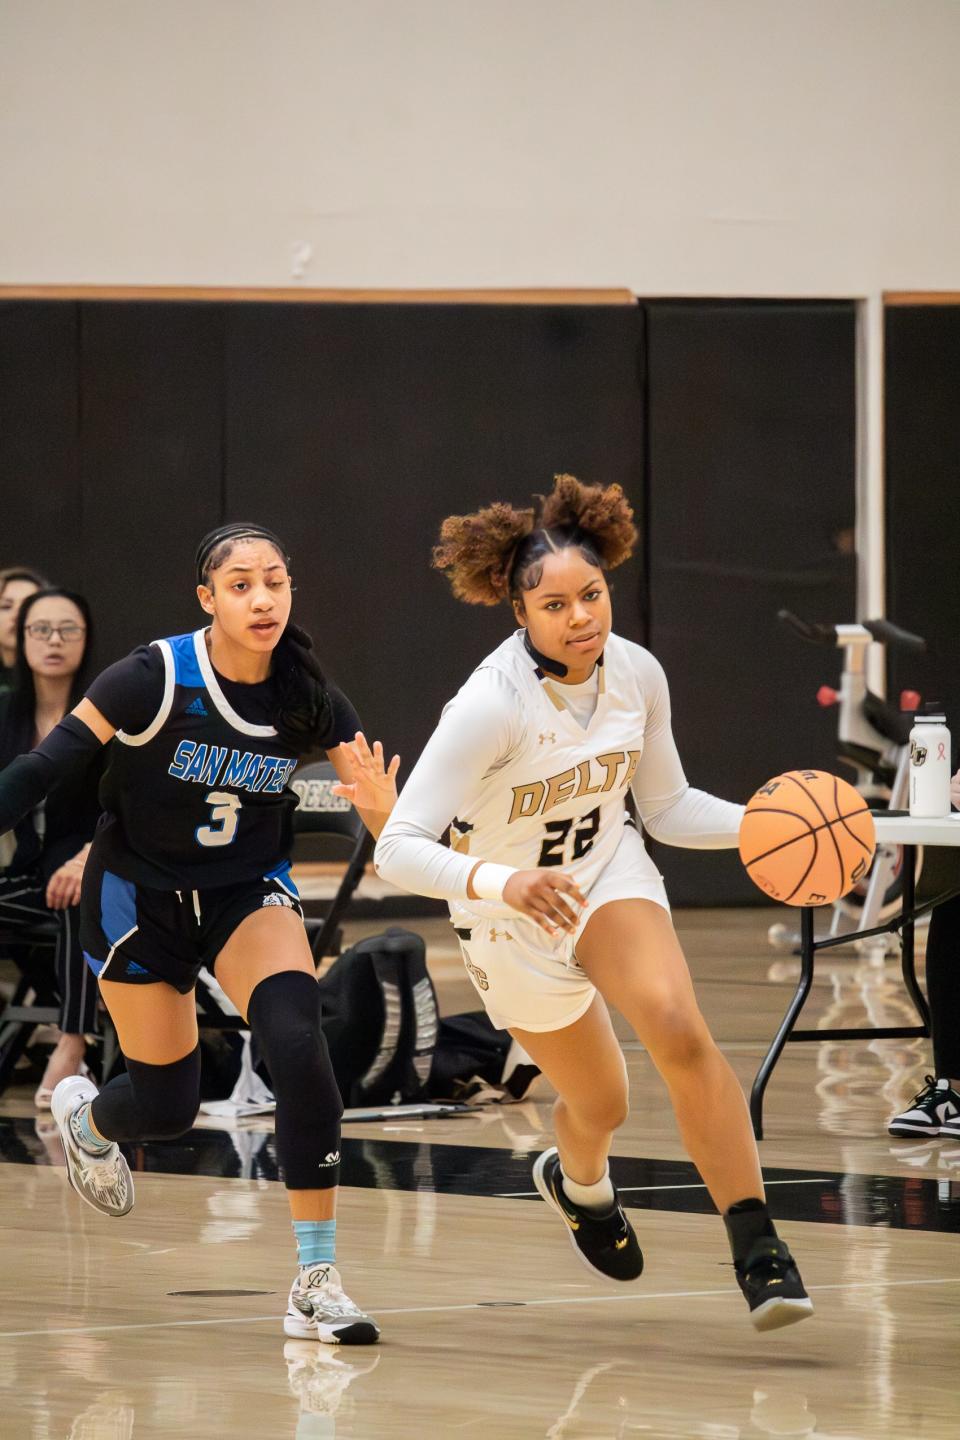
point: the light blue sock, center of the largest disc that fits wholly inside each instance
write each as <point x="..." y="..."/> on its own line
<point x="316" y="1241"/>
<point x="83" y="1134"/>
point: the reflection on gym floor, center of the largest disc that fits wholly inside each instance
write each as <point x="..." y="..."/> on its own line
<point x="168" y="1324"/>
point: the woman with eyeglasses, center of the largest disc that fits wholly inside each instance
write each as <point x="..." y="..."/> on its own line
<point x="43" y="876"/>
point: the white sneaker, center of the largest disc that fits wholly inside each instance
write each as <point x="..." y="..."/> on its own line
<point x="104" y="1181"/>
<point x="930" y="1112"/>
<point x="318" y="1309"/>
<point x="950" y="1125"/>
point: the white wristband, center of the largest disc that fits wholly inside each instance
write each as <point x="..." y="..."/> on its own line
<point x="488" y="880"/>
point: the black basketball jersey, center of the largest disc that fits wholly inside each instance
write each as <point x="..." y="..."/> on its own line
<point x="200" y="797"/>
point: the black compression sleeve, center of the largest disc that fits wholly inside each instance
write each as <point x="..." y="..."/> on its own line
<point x="66" y="751"/>
<point x="128" y="693"/>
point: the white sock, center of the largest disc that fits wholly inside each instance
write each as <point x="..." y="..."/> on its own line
<point x="598" y="1196"/>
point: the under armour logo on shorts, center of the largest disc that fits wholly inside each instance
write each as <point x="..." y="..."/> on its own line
<point x="547" y="735"/>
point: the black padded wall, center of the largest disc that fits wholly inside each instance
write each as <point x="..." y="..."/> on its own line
<point x="354" y="429"/>
<point x="40" y="497"/>
<point x="151" y="463"/>
<point x="923" y="497"/>
<point x="750" y="450"/>
<point x="129" y="429"/>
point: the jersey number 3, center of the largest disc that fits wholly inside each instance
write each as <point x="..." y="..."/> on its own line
<point x="554" y="842"/>
<point x="224" y="817"/>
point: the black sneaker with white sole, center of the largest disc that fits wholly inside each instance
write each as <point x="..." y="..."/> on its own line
<point x="934" y="1110"/>
<point x="771" y="1283"/>
<point x="605" y="1242"/>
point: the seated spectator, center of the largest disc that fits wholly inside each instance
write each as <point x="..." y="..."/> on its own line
<point x="42" y="878"/>
<point x="935" y="1110"/>
<point x="16" y="583"/>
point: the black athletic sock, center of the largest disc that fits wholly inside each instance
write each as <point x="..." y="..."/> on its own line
<point x="747" y="1222"/>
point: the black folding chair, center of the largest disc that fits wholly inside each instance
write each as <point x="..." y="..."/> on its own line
<point x="34" y="1000"/>
<point x="327" y="827"/>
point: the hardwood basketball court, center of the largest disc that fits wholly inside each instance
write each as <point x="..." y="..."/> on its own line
<point x="168" y="1323"/>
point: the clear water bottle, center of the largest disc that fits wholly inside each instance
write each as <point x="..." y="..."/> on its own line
<point x="930" y="767"/>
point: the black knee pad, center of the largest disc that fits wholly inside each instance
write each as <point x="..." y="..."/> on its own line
<point x="150" y="1102"/>
<point x="284" y="1015"/>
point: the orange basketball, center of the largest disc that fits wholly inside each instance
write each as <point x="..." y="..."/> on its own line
<point x="807" y="838"/>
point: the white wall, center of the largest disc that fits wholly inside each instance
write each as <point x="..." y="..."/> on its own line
<point x="755" y="147"/>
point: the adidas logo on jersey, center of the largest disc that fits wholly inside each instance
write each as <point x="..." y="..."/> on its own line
<point x="277" y="900"/>
<point x="196" y="707"/>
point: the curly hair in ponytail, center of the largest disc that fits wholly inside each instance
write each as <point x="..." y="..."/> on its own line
<point x="497" y="553"/>
<point x="476" y="551"/>
<point x="304" y="713"/>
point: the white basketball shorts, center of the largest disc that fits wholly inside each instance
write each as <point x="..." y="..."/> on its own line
<point x="530" y="981"/>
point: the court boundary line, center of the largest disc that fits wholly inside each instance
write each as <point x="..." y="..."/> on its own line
<point x="642" y="1189"/>
<point x="475" y="1305"/>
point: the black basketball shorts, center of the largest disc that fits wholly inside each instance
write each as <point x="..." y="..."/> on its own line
<point x="137" y="935"/>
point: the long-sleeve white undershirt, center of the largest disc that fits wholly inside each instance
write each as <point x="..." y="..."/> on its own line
<point x="479" y="732"/>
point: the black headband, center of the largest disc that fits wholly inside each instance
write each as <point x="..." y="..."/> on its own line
<point x="210" y="542"/>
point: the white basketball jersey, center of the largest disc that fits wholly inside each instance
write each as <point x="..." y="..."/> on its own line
<point x="558" y="799"/>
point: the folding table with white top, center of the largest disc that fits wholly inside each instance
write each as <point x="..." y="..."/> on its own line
<point x="895" y="829"/>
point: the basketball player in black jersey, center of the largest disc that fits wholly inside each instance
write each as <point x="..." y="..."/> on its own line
<point x="190" y="868"/>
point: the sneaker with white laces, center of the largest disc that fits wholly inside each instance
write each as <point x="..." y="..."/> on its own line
<point x="934" y="1110"/>
<point x="318" y="1309"/>
<point x="103" y="1181"/>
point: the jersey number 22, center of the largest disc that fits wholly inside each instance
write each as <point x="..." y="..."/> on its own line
<point x="555" y="840"/>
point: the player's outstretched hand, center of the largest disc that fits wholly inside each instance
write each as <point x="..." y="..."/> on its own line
<point x="372" y="786"/>
<point x="548" y="896"/>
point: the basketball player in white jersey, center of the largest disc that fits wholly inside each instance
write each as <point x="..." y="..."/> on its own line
<point x="557" y="904"/>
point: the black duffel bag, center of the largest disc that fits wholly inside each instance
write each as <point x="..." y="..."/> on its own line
<point x="379" y="1015"/>
<point x="474" y="1061"/>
